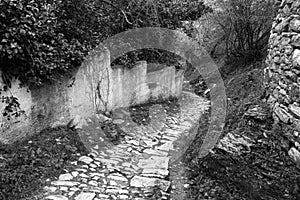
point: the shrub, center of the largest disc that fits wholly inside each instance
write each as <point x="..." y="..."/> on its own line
<point x="42" y="39"/>
<point x="241" y="28"/>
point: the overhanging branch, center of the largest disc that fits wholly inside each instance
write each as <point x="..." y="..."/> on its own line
<point x="124" y="14"/>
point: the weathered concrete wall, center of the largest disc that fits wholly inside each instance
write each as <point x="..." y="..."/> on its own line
<point x="13" y="128"/>
<point x="43" y="106"/>
<point x="137" y="85"/>
<point x="91" y="90"/>
<point x="162" y="82"/>
<point x="58" y="102"/>
<point x="94" y="88"/>
<point x="129" y="85"/>
<point x="283" y="72"/>
<point x="179" y="78"/>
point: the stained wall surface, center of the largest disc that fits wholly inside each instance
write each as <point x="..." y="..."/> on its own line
<point x="92" y="89"/>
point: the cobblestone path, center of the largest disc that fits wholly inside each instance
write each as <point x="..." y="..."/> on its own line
<point x="136" y="169"/>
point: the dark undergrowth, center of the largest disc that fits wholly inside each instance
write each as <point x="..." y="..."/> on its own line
<point x="24" y="166"/>
<point x="266" y="172"/>
<point x="140" y="113"/>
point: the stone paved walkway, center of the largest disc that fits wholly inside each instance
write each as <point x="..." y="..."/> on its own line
<point x="136" y="169"/>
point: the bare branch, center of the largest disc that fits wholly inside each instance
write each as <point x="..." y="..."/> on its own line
<point x="124" y="14"/>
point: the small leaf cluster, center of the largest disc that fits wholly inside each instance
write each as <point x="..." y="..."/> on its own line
<point x="33" y="44"/>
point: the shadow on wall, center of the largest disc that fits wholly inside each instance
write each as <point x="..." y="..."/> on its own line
<point x="95" y="88"/>
<point x="137" y="85"/>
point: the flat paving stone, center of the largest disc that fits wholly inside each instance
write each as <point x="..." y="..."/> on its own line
<point x="162" y="172"/>
<point x="86" y="159"/>
<point x="57" y="197"/>
<point x="65" y="177"/>
<point x="154" y="162"/>
<point x="85" y="196"/>
<point x="75" y="174"/>
<point x="118" y="121"/>
<point x="64" y="183"/>
<point x="166" y="147"/>
<point x="117" y="178"/>
<point x="155" y="152"/>
<point x="144" y="182"/>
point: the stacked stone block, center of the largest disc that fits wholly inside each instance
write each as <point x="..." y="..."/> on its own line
<point x="283" y="71"/>
<point x="283" y="64"/>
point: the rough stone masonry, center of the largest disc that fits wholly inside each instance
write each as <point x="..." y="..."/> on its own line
<point x="283" y="69"/>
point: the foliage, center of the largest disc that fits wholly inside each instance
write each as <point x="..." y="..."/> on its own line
<point x="40" y="37"/>
<point x="25" y="165"/>
<point x="33" y="43"/>
<point x="241" y="28"/>
<point x="169" y="14"/>
<point x="40" y="40"/>
<point x="12" y="108"/>
<point x="150" y="56"/>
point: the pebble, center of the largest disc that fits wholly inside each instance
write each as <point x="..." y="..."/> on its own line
<point x="85" y="196"/>
<point x="71" y="194"/>
<point x="83" y="175"/>
<point x="86" y="159"/>
<point x="93" y="165"/>
<point x="50" y="189"/>
<point x="103" y="196"/>
<point x="74" y="189"/>
<point x="75" y="174"/>
<point x="65" y="177"/>
<point x="94" y="183"/>
<point x="118" y="178"/>
<point x="64" y="188"/>
<point x="64" y="183"/>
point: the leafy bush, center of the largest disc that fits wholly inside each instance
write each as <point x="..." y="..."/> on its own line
<point x="24" y="166"/>
<point x="42" y="39"/>
<point x="38" y="38"/>
<point x="34" y="42"/>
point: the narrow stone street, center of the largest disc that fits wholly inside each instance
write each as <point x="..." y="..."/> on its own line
<point x="138" y="167"/>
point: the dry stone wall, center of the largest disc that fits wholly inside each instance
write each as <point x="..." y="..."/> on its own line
<point x="283" y="71"/>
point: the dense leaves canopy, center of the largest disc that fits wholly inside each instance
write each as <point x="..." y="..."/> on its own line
<point x="39" y="38"/>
